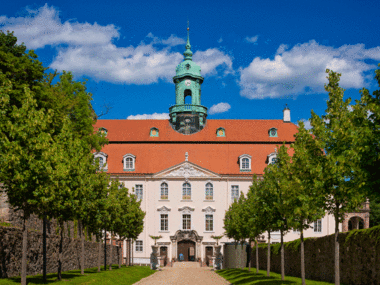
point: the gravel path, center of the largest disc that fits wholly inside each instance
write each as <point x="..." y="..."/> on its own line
<point x="184" y="273"/>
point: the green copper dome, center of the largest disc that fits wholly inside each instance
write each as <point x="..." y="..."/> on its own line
<point x="188" y="67"/>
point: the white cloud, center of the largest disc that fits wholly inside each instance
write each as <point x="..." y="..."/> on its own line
<point x="89" y="49"/>
<point x="219" y="108"/>
<point x="212" y="58"/>
<point x="301" y="70"/>
<point x="43" y="27"/>
<point x="220" y="40"/>
<point x="154" y="116"/>
<point x="306" y="124"/>
<point x="252" y="40"/>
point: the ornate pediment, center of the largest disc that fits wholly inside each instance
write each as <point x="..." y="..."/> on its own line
<point x="164" y="210"/>
<point x="185" y="171"/>
<point x="208" y="210"/>
<point x="186" y="210"/>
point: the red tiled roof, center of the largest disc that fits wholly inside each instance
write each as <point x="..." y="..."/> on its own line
<point x="236" y="131"/>
<point x="204" y="148"/>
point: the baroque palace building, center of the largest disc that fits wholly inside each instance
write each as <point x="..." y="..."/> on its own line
<point x="188" y="170"/>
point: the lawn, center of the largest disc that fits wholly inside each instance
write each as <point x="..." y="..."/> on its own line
<point x="243" y="276"/>
<point x="124" y="275"/>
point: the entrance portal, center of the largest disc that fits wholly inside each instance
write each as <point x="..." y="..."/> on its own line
<point x="186" y="250"/>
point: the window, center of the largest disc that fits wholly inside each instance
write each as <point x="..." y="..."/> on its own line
<point x="209" y="223"/>
<point x="209" y="191"/>
<point x="154" y="132"/>
<point x="234" y="192"/>
<point x="272" y="158"/>
<point x="101" y="158"/>
<point x="186" y="191"/>
<point x="318" y="226"/>
<point x="164" y="191"/>
<point x="129" y="162"/>
<point x="272" y="132"/>
<point x="139" y="245"/>
<point x="164" y="222"/>
<point x="186" y="222"/>
<point x="221" y="132"/>
<point x="139" y="192"/>
<point x="103" y="131"/>
<point x="245" y="162"/>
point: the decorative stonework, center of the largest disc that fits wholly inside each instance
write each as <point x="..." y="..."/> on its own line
<point x="186" y="235"/>
<point x="208" y="210"/>
<point x="362" y="213"/>
<point x="186" y="210"/>
<point x="164" y="210"/>
<point x="186" y="171"/>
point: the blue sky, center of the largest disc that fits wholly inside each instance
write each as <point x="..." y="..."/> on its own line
<point x="255" y="56"/>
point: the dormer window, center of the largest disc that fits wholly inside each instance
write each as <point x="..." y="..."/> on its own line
<point x="129" y="162"/>
<point x="103" y="131"/>
<point x="245" y="162"/>
<point x="101" y="158"/>
<point x="221" y="132"/>
<point x="272" y="133"/>
<point x="187" y="66"/>
<point x="272" y="158"/>
<point x="154" y="132"/>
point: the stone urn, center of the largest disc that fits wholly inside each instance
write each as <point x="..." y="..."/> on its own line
<point x="154" y="265"/>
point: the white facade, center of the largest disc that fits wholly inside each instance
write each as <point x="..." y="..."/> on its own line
<point x="165" y="217"/>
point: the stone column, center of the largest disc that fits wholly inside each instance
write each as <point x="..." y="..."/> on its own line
<point x="199" y="250"/>
<point x="174" y="249"/>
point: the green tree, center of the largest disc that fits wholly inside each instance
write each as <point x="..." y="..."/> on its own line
<point x="340" y="167"/>
<point x="25" y="147"/>
<point x="305" y="201"/>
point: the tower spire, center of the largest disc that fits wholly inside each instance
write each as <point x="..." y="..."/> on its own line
<point x="188" y="53"/>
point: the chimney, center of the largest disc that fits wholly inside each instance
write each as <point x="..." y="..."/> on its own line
<point x="286" y="112"/>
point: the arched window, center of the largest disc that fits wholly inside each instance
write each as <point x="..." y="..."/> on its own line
<point x="129" y="162"/>
<point x="164" y="191"/>
<point x="101" y="162"/>
<point x="245" y="162"/>
<point x="209" y="191"/>
<point x="186" y="191"/>
<point x="272" y="132"/>
<point x="187" y="94"/>
<point x="154" y="132"/>
<point x="101" y="158"/>
<point x="220" y="132"/>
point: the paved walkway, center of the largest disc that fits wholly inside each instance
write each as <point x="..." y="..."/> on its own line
<point x="184" y="273"/>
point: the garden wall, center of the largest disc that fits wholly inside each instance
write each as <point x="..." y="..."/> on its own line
<point x="11" y="253"/>
<point x="359" y="257"/>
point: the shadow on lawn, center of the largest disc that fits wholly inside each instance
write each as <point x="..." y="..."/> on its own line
<point x="52" y="277"/>
<point x="242" y="276"/>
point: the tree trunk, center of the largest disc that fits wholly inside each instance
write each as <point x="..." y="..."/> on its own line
<point x="105" y="250"/>
<point x="111" y="257"/>
<point x="24" y="250"/>
<point x="257" y="257"/>
<point x="282" y="256"/>
<point x="120" y="253"/>
<point x="268" y="257"/>
<point x="250" y="256"/>
<point x="99" y="251"/>
<point x="60" y="252"/>
<point x="82" y="246"/>
<point x="337" y="270"/>
<point x="302" y="260"/>
<point x="44" y="249"/>
<point x="132" y="252"/>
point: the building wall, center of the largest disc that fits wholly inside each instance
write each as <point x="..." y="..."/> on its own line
<point x="151" y="202"/>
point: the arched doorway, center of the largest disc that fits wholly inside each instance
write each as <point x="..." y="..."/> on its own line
<point x="186" y="250"/>
<point x="355" y="223"/>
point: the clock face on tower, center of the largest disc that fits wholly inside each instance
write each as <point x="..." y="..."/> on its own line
<point x="187" y="82"/>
